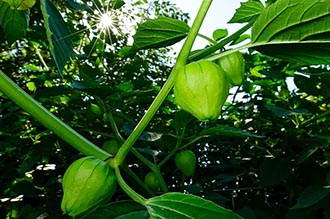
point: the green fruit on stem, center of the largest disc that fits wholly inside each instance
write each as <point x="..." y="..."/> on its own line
<point x="151" y="180"/>
<point x="87" y="183"/>
<point x="111" y="147"/>
<point x="234" y="67"/>
<point x="186" y="162"/>
<point x="201" y="88"/>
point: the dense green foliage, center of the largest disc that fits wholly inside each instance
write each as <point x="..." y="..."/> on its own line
<point x="267" y="156"/>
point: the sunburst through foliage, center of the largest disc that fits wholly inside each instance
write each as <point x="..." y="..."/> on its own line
<point x="103" y="23"/>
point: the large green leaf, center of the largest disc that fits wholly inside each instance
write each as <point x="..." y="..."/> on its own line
<point x="120" y="209"/>
<point x="14" y="22"/>
<point x="296" y="30"/>
<point x="58" y="34"/>
<point x="247" y="11"/>
<point x="184" y="206"/>
<point x="160" y="32"/>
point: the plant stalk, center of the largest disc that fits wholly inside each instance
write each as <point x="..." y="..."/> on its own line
<point x="181" y="61"/>
<point x="49" y="120"/>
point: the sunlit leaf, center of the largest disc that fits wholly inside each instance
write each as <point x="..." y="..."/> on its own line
<point x="294" y="30"/>
<point x="58" y="34"/>
<point x="219" y="34"/>
<point x="26" y="4"/>
<point x="14" y="4"/>
<point x="184" y="206"/>
<point x="247" y="11"/>
<point x="160" y="32"/>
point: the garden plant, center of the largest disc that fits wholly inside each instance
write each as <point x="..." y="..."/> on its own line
<point x="98" y="120"/>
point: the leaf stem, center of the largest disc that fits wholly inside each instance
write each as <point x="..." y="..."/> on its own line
<point x="128" y="190"/>
<point x="308" y="121"/>
<point x="210" y="40"/>
<point x="181" y="61"/>
<point x="49" y="120"/>
<point x="222" y="43"/>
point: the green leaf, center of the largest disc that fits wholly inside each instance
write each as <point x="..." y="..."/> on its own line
<point x="181" y="120"/>
<point x="281" y="112"/>
<point x="228" y="131"/>
<point x="77" y="6"/>
<point x="14" y="22"/>
<point x="247" y="11"/>
<point x="116" y="4"/>
<point x="58" y="34"/>
<point x="274" y="171"/>
<point x="160" y="32"/>
<point x="184" y="206"/>
<point x="307" y="153"/>
<point x="219" y="34"/>
<point x="119" y="209"/>
<point x="294" y="30"/>
<point x="311" y="195"/>
<point x="25" y="4"/>
<point x="14" y="4"/>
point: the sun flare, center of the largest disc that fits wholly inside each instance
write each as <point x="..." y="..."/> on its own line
<point x="105" y="25"/>
<point x="106" y="20"/>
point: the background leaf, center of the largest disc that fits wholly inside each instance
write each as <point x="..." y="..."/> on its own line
<point x="294" y="30"/>
<point x="311" y="195"/>
<point x="274" y="171"/>
<point x="228" y="131"/>
<point x="160" y="32"/>
<point x="180" y="206"/>
<point x="58" y="35"/>
<point x="279" y="111"/>
<point x="14" y="22"/>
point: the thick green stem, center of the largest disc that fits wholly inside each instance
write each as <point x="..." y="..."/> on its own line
<point x="181" y="61"/>
<point x="35" y="109"/>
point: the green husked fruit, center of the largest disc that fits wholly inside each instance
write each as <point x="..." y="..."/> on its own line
<point x="234" y="67"/>
<point x="87" y="183"/>
<point x="201" y="88"/>
<point x="186" y="162"/>
<point x="111" y="147"/>
<point x="151" y="180"/>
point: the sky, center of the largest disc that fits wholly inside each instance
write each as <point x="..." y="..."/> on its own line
<point x="220" y="12"/>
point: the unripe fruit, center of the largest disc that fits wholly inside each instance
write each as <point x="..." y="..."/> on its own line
<point x="186" y="162"/>
<point x="87" y="183"/>
<point x="151" y="180"/>
<point x="201" y="88"/>
<point x="234" y="67"/>
<point x="111" y="147"/>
